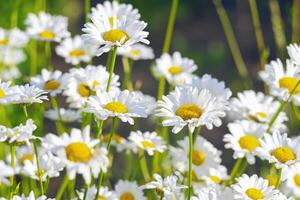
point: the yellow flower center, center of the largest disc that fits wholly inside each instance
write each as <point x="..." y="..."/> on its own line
<point x="28" y="157"/>
<point x="254" y="194"/>
<point x="77" y="53"/>
<point x="272" y="180"/>
<point x="215" y="179"/>
<point x="78" y="152"/>
<point x="2" y="93"/>
<point x="116" y="107"/>
<point x="101" y="197"/>
<point x="148" y="144"/>
<point x="188" y="111"/>
<point x="257" y="115"/>
<point x="112" y="20"/>
<point x="95" y="84"/>
<point x="115" y="35"/>
<point x="127" y="196"/>
<point x="51" y="85"/>
<point x="198" y="157"/>
<point x="174" y="70"/>
<point x="84" y="90"/>
<point x="297" y="180"/>
<point x="249" y="142"/>
<point x="283" y="154"/>
<point x="135" y="52"/>
<point x="289" y="83"/>
<point x="4" y="41"/>
<point x="116" y="137"/>
<point x="49" y="35"/>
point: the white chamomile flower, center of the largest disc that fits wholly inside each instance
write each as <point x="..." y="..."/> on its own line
<point x="257" y="107"/>
<point x="14" y="38"/>
<point x="23" y="153"/>
<point x="7" y="92"/>
<point x="294" y="53"/>
<point x="216" y="175"/>
<point x="147" y="141"/>
<point x="281" y="196"/>
<point x="293" y="179"/>
<point x="243" y="139"/>
<point x="74" y="50"/>
<point x="109" y="31"/>
<point x="128" y="190"/>
<point x="66" y="115"/>
<point x="50" y="166"/>
<point x="279" y="150"/>
<point x="168" y="187"/>
<point x="282" y="80"/>
<point x="149" y="101"/>
<point x="115" y="103"/>
<point x="213" y="193"/>
<point x="27" y="94"/>
<point x="47" y="27"/>
<point x="176" y="69"/>
<point x="77" y="152"/>
<point x="137" y="52"/>
<point x="10" y="73"/>
<point x="188" y="106"/>
<point x="12" y="57"/>
<point x="117" y="141"/>
<point x="5" y="172"/>
<point x="104" y="194"/>
<point x="83" y="82"/>
<point x="30" y="197"/>
<point x="254" y="187"/>
<point x="52" y="82"/>
<point x="204" y="156"/>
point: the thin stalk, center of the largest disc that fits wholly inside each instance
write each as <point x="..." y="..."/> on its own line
<point x="59" y="124"/>
<point x="128" y="165"/>
<point x="14" y="16"/>
<point x="87" y="7"/>
<point x="231" y="39"/>
<point x="144" y="168"/>
<point x="295" y="21"/>
<point x="278" y="179"/>
<point x="40" y="172"/>
<point x="190" y="177"/>
<point x="33" y="57"/>
<point x="111" y="67"/>
<point x="100" y="128"/>
<point x="12" y="162"/>
<point x="85" y="192"/>
<point x="25" y="110"/>
<point x="62" y="188"/>
<point x="127" y="67"/>
<point x="235" y="169"/>
<point x="48" y="55"/>
<point x="161" y="87"/>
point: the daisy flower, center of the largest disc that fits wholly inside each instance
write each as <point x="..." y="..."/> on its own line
<point x="168" y="187"/>
<point x="83" y="82"/>
<point x="216" y="175"/>
<point x="243" y="139"/>
<point x="5" y="172"/>
<point x="104" y="193"/>
<point x="149" y="101"/>
<point x="258" y="108"/>
<point x="52" y="82"/>
<point x="278" y="149"/>
<point x="115" y="103"/>
<point x="117" y="141"/>
<point x="294" y="53"/>
<point x="27" y="94"/>
<point x="109" y="31"/>
<point x="293" y="179"/>
<point x="12" y="57"/>
<point x="23" y="153"/>
<point x="7" y="93"/>
<point x="175" y="68"/>
<point x="147" y="141"/>
<point x="74" y="50"/>
<point x="47" y="27"/>
<point x="137" y="52"/>
<point x="10" y="73"/>
<point x="282" y="80"/>
<point x="30" y="197"/>
<point x="128" y="190"/>
<point x="188" y="106"/>
<point x="254" y="187"/>
<point x="77" y="152"/>
<point x="204" y="156"/>
<point x="66" y="115"/>
<point x="213" y="193"/>
<point x="14" y="38"/>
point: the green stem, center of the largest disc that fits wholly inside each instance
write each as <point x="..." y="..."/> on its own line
<point x="128" y="165"/>
<point x="144" y="168"/>
<point x="295" y="21"/>
<point x="14" y="16"/>
<point x="278" y="179"/>
<point x="62" y="188"/>
<point x="25" y="110"/>
<point x="190" y="178"/>
<point x="33" y="57"/>
<point x="59" y="124"/>
<point x="127" y="67"/>
<point x="40" y="172"/>
<point x="111" y="67"/>
<point x="235" y="169"/>
<point x="87" y="7"/>
<point x="13" y="155"/>
<point x="100" y="128"/>
<point x="48" y="55"/>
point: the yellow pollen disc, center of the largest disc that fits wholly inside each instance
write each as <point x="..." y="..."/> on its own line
<point x="2" y="93"/>
<point x="215" y="179"/>
<point x="47" y="35"/>
<point x="248" y="142"/>
<point x="101" y="197"/>
<point x="148" y="144"/>
<point x="289" y="83"/>
<point x="51" y="85"/>
<point x="272" y="180"/>
<point x="116" y="137"/>
<point x="78" y="152"/>
<point x="135" y="52"/>
<point x="112" y="21"/>
<point x="116" y="107"/>
<point x="174" y="70"/>
<point x="254" y="194"/>
<point x="95" y="84"/>
<point x="77" y="53"/>
<point x="28" y="157"/>
<point x="127" y="196"/>
<point x="84" y="90"/>
<point x="188" y="111"/>
<point x="4" y="42"/>
<point x="297" y="180"/>
<point x="262" y="114"/>
<point x="115" y="35"/>
<point x="40" y="173"/>
<point x="283" y="154"/>
<point x="198" y="157"/>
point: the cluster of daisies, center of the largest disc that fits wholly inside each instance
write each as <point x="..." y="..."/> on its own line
<point x="100" y="150"/>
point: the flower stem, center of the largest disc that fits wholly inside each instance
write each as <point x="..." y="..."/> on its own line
<point x="13" y="155"/>
<point x="40" y="172"/>
<point x="190" y="178"/>
<point x="87" y="7"/>
<point x="62" y="188"/>
<point x="111" y="66"/>
<point x="33" y="57"/>
<point x="25" y="110"/>
<point x="295" y="21"/>
<point x="48" y="55"/>
<point x="144" y="168"/>
<point x="127" y="67"/>
<point x="278" y="179"/>
<point x="14" y="16"/>
<point x="59" y="125"/>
